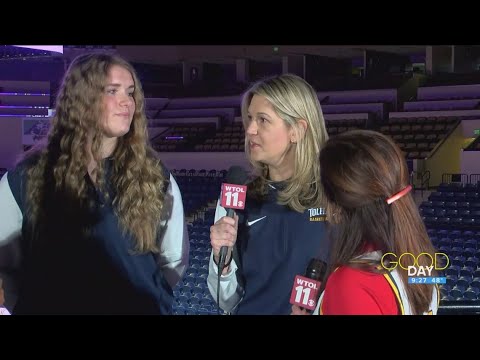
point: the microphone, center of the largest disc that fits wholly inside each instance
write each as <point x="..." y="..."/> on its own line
<point x="306" y="289"/>
<point x="316" y="269"/>
<point x="233" y="197"/>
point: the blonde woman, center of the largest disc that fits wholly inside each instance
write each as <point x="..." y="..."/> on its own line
<point x="101" y="219"/>
<point x="282" y="226"/>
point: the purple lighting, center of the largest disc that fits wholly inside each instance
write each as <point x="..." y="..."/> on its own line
<point x="20" y="94"/>
<point x="22" y="107"/>
<point x="173" y="137"/>
<point x="23" y="116"/>
<point x="53" y="48"/>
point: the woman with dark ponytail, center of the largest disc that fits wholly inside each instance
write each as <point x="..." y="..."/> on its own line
<point x="375" y="220"/>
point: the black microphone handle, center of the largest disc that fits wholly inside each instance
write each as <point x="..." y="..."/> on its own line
<point x="316" y="271"/>
<point x="224" y="249"/>
<point x="223" y="256"/>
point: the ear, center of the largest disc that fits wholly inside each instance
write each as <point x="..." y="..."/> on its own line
<point x="299" y="132"/>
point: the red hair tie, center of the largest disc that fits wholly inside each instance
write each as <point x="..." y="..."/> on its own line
<point x="399" y="194"/>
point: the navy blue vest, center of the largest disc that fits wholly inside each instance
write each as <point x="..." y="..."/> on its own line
<point x="78" y="261"/>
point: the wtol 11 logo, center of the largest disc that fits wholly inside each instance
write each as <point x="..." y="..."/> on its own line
<point x="419" y="274"/>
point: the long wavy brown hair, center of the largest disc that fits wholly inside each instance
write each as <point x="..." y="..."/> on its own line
<point x="137" y="179"/>
<point x="292" y="99"/>
<point x="360" y="170"/>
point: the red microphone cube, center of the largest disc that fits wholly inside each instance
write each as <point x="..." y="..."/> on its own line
<point x="233" y="196"/>
<point x="305" y="292"/>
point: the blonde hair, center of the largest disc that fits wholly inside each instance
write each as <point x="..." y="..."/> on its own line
<point x="293" y="99"/>
<point x="137" y="179"/>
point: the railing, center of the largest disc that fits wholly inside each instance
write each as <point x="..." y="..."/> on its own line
<point x="459" y="307"/>
<point x="424" y="180"/>
<point x="474" y="178"/>
<point x="448" y="178"/>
